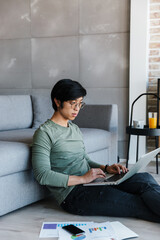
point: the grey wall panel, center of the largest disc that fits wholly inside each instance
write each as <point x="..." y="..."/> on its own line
<point x="15" y="63"/>
<point x="118" y="96"/>
<point x="26" y="91"/>
<point x="14" y="19"/>
<point x="14" y="91"/>
<point x="104" y="16"/>
<point x="42" y="41"/>
<point x="53" y="59"/>
<point x="104" y="60"/>
<point x="54" y="18"/>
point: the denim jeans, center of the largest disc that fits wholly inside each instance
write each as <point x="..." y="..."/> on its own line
<point x="137" y="197"/>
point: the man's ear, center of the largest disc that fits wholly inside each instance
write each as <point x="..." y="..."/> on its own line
<point x="57" y="102"/>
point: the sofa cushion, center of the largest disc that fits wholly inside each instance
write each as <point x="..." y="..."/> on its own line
<point x="42" y="109"/>
<point x="16" y="112"/>
<point x="21" y="135"/>
<point x="14" y="157"/>
<point x="95" y="139"/>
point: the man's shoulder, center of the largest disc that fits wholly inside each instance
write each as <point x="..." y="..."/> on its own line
<point x="73" y="125"/>
<point x="44" y="128"/>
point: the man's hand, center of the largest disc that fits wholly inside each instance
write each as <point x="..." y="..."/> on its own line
<point x="92" y="174"/>
<point x="88" y="177"/>
<point x="116" y="168"/>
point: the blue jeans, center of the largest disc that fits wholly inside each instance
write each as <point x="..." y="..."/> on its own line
<point x="137" y="197"/>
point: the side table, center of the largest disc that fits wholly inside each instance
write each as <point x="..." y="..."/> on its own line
<point x="146" y="131"/>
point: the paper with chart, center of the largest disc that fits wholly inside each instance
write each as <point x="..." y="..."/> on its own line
<point x="50" y="229"/>
<point x="98" y="231"/>
<point x="92" y="231"/>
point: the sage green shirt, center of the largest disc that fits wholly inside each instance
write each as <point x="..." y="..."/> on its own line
<point x="58" y="152"/>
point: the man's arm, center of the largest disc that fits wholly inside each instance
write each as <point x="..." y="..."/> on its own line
<point x="41" y="162"/>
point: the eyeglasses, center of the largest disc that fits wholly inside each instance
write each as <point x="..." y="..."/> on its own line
<point x="75" y="104"/>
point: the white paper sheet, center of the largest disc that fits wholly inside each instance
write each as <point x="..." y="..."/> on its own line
<point x="122" y="231"/>
<point x="92" y="231"/>
<point x="50" y="229"/>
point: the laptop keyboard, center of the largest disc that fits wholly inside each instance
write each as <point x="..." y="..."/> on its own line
<point x="115" y="177"/>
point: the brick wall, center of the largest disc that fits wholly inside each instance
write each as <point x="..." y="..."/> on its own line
<point x="154" y="58"/>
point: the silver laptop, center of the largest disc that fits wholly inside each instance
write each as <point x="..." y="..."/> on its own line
<point x="119" y="178"/>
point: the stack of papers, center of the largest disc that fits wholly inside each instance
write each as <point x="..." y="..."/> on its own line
<point x="93" y="231"/>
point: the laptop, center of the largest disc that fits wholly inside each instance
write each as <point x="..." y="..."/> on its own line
<point x="119" y="178"/>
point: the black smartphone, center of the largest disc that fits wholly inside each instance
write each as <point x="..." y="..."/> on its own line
<point x="73" y="229"/>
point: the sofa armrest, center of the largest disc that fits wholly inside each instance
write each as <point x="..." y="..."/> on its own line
<point x="99" y="116"/>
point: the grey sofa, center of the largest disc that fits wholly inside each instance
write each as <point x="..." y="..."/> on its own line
<point x="20" y="115"/>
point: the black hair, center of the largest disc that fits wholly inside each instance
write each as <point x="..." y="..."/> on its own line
<point x="66" y="89"/>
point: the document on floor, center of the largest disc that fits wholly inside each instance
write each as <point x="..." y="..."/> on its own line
<point x="91" y="231"/>
<point x="97" y="231"/>
<point x="50" y="229"/>
<point x="122" y="232"/>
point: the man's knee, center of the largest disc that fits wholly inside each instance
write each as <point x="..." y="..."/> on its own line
<point x="145" y="177"/>
<point x="142" y="176"/>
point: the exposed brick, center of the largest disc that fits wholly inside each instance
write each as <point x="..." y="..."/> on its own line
<point x="154" y="1"/>
<point x="155" y="38"/>
<point x="154" y="59"/>
<point x="152" y="105"/>
<point x="154" y="62"/>
<point x="154" y="74"/>
<point x="153" y="52"/>
<point x="154" y="66"/>
<point x="154" y="45"/>
<point x="153" y="108"/>
<point x="155" y="15"/>
<point x="152" y="81"/>
<point x="155" y="22"/>
<point x="152" y="88"/>
<point x="155" y="8"/>
<point x="155" y="30"/>
<point x="150" y="100"/>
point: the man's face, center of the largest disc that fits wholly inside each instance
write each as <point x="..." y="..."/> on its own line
<point x="71" y="108"/>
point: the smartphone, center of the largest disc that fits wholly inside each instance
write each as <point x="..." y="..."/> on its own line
<point x="73" y="229"/>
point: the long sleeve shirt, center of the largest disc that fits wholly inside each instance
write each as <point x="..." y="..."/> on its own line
<point x="57" y="153"/>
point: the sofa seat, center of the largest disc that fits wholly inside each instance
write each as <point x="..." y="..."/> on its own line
<point x="15" y="157"/>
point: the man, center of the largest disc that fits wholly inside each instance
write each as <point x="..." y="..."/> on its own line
<point x="60" y="162"/>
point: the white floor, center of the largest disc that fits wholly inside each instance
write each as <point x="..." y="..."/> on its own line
<point x="25" y="223"/>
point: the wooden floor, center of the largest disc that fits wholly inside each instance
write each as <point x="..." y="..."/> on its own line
<point x="25" y="223"/>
